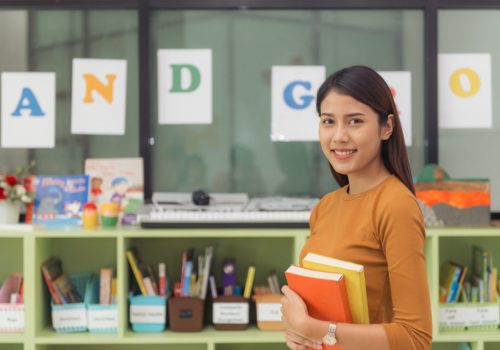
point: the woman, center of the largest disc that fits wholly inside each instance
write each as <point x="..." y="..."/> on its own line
<point x="373" y="220"/>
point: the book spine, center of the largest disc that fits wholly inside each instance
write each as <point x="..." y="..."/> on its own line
<point x="106" y="276"/>
<point x="137" y="272"/>
<point x="52" y="288"/>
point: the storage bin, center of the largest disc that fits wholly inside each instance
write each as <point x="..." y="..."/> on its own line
<point x="101" y="318"/>
<point x="148" y="313"/>
<point x="469" y="316"/>
<point x="72" y="317"/>
<point x="186" y="314"/>
<point x="12" y="318"/>
<point x="230" y="313"/>
<point x="268" y="308"/>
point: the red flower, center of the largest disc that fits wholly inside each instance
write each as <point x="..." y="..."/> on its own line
<point x="11" y="180"/>
<point x="2" y="194"/>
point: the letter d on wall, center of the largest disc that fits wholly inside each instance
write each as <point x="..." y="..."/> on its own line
<point x="185" y="86"/>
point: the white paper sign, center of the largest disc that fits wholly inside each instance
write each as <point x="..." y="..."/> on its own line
<point x="28" y="110"/>
<point x="147" y="314"/>
<point x="11" y="318"/>
<point x="452" y="317"/>
<point x="230" y="313"/>
<point x="294" y="116"/>
<point x="269" y="312"/>
<point x="400" y="85"/>
<point x="464" y="87"/>
<point x="69" y="318"/>
<point x="185" y="86"/>
<point x="98" y="99"/>
<point x="103" y="318"/>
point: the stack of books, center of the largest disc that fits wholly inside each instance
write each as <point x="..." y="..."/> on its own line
<point x="333" y="289"/>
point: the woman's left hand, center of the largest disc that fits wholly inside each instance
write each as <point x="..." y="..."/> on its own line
<point x="293" y="310"/>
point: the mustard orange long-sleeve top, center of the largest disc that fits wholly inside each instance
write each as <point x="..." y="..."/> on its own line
<point x="381" y="229"/>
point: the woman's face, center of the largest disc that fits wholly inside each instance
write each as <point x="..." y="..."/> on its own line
<point x="350" y="134"/>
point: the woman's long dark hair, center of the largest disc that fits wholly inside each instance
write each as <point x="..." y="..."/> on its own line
<point x="367" y="86"/>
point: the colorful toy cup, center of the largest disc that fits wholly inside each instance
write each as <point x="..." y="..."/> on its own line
<point x="109" y="214"/>
<point x="90" y="218"/>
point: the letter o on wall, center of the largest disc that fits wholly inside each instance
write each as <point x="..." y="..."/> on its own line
<point x="457" y="86"/>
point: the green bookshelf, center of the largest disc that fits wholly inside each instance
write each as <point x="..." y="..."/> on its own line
<point x="267" y="249"/>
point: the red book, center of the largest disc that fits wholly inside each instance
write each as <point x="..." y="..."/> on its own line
<point x="52" y="269"/>
<point x="323" y="292"/>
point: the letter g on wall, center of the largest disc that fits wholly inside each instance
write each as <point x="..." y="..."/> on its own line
<point x="305" y="99"/>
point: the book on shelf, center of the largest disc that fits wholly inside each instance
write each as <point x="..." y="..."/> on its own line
<point x="324" y="294"/>
<point x="117" y="180"/>
<point x="354" y="280"/>
<point x="105" y="279"/>
<point x="450" y="279"/>
<point x="11" y="291"/>
<point x="67" y="290"/>
<point x="59" y="200"/>
<point x="137" y="273"/>
<point x="51" y="269"/>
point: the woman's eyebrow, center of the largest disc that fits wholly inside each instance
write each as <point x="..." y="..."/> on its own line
<point x="350" y="115"/>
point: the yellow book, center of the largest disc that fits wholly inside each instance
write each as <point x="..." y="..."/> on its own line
<point x="249" y="282"/>
<point x="137" y="272"/>
<point x="355" y="282"/>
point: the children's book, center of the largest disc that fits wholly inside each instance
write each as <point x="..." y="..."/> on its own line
<point x="355" y="282"/>
<point x="59" y="200"/>
<point x="51" y="270"/>
<point x="324" y="294"/>
<point x="117" y="180"/>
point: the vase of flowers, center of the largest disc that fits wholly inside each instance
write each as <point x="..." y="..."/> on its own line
<point x="16" y="188"/>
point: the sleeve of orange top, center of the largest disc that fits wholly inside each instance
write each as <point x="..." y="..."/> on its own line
<point x="402" y="236"/>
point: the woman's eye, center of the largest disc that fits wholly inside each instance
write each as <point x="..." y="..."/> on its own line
<point x="355" y="121"/>
<point x="328" y="121"/>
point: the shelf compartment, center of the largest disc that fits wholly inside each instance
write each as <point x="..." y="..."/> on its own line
<point x="265" y="253"/>
<point x="82" y="254"/>
<point x="261" y="346"/>
<point x="11" y="257"/>
<point x="124" y="347"/>
<point x="452" y="346"/>
<point x="11" y="346"/>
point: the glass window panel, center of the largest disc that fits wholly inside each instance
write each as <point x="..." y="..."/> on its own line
<point x="53" y="38"/>
<point x="235" y="153"/>
<point x="472" y="152"/>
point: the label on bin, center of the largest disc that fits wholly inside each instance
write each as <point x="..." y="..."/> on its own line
<point x="69" y="318"/>
<point x="147" y="314"/>
<point x="230" y="313"/>
<point x="11" y="318"/>
<point x="269" y="312"/>
<point x="106" y="318"/>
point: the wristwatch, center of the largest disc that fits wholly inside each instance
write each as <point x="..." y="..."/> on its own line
<point x="330" y="338"/>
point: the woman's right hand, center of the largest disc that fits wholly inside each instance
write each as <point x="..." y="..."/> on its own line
<point x="297" y="342"/>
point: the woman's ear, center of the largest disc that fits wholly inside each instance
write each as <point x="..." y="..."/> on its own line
<point x="388" y="127"/>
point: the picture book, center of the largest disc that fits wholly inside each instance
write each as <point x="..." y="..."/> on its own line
<point x="67" y="289"/>
<point x="354" y="279"/>
<point x="117" y="180"/>
<point x="52" y="269"/>
<point x="324" y="294"/>
<point x="59" y="200"/>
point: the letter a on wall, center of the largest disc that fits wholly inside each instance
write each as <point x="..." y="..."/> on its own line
<point x="28" y="110"/>
<point x="98" y="100"/>
<point x="294" y="116"/>
<point x="464" y="88"/>
<point x="185" y="86"/>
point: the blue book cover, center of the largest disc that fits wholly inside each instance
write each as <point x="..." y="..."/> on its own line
<point x="59" y="200"/>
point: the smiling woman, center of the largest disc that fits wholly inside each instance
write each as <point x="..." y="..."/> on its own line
<point x="373" y="220"/>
